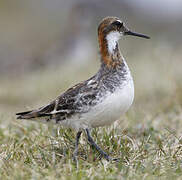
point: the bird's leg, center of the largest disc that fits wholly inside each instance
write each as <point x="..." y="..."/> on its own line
<point x="75" y="153"/>
<point x="92" y="143"/>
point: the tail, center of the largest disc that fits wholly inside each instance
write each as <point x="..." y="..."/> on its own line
<point x="30" y="114"/>
<point x="22" y="114"/>
<point x="40" y="112"/>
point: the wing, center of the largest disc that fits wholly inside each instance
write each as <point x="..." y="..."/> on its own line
<point x="78" y="99"/>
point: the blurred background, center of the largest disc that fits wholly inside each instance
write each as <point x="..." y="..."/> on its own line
<point x="47" y="46"/>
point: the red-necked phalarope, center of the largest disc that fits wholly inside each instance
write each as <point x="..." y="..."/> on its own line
<point x="100" y="100"/>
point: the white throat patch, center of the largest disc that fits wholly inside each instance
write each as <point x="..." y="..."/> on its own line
<point x="112" y="39"/>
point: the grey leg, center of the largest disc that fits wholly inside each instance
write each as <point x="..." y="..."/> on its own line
<point x="92" y="143"/>
<point x="75" y="153"/>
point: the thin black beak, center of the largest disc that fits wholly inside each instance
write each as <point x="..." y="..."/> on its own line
<point x="136" y="34"/>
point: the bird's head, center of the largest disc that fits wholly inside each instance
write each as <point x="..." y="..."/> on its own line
<point x="110" y="30"/>
<point x="114" y="27"/>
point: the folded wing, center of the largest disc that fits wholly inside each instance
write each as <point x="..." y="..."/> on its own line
<point x="77" y="99"/>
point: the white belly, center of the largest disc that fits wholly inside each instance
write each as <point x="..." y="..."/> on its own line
<point x="113" y="106"/>
<point x="109" y="110"/>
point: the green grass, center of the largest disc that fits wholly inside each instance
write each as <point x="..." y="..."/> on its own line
<point x="147" y="139"/>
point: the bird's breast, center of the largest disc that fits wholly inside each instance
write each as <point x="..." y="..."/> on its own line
<point x="113" y="106"/>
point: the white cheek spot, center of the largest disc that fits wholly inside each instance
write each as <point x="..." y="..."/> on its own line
<point x="112" y="39"/>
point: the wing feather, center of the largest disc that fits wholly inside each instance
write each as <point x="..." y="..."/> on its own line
<point x="77" y="99"/>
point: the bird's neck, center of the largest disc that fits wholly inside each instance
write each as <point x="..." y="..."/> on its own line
<point x="109" y="50"/>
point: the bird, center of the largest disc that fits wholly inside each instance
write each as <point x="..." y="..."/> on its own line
<point x="100" y="100"/>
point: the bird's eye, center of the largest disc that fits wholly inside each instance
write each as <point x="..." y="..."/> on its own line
<point x="118" y="24"/>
